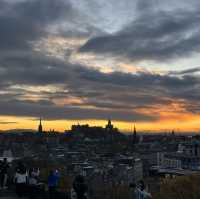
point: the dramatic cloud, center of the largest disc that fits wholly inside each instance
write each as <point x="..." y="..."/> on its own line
<point x="154" y="35"/>
<point x="94" y="94"/>
<point x="187" y="71"/>
<point x="26" y="21"/>
<point x="61" y="59"/>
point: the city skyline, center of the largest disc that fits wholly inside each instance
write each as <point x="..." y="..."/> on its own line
<point x="63" y="125"/>
<point x="135" y="62"/>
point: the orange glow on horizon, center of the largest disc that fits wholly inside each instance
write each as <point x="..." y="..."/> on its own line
<point x="183" y="124"/>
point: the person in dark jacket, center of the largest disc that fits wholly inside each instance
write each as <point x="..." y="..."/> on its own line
<point x="80" y="187"/>
<point x="132" y="186"/>
<point x="4" y="173"/>
<point x="53" y="179"/>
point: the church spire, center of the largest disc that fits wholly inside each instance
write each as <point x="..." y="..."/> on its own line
<point x="40" y="126"/>
<point x="135" y="132"/>
<point x="134" y="135"/>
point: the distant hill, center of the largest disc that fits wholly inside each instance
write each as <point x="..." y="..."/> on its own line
<point x="18" y="131"/>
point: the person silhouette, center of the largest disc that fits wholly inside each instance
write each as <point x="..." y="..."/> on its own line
<point x="53" y="179"/>
<point x="4" y="173"/>
<point x="21" y="178"/>
<point x="80" y="187"/>
<point x="140" y="192"/>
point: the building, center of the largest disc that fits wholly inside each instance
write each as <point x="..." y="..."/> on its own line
<point x="109" y="126"/>
<point x="134" y="136"/>
<point x="40" y="127"/>
<point x="110" y="129"/>
<point x="187" y="157"/>
<point x="95" y="132"/>
<point x="130" y="169"/>
<point x="8" y="155"/>
<point x="172" y="161"/>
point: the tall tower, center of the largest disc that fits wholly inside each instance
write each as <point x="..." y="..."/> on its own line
<point x="109" y="126"/>
<point x="40" y="126"/>
<point x="134" y="135"/>
<point x="109" y="129"/>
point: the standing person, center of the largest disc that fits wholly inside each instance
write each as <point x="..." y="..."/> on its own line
<point x="80" y="187"/>
<point x="1" y="162"/>
<point x="73" y="194"/>
<point x="141" y="193"/>
<point x="33" y="182"/>
<point x="133" y="190"/>
<point x="4" y="173"/>
<point x="53" y="179"/>
<point x="21" y="178"/>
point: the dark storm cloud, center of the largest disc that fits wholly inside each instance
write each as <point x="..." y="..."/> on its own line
<point x="51" y="111"/>
<point x="185" y="72"/>
<point x="137" y="81"/>
<point x="128" y="91"/>
<point x="34" y="69"/>
<point x="160" y="35"/>
<point x="117" y="95"/>
<point x="27" y="21"/>
<point x="39" y="70"/>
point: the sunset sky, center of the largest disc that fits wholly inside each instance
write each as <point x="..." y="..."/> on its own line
<point x="84" y="61"/>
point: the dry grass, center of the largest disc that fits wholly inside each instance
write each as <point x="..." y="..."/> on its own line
<point x="187" y="187"/>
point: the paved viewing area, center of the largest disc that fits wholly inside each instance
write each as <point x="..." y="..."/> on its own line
<point x="7" y="194"/>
